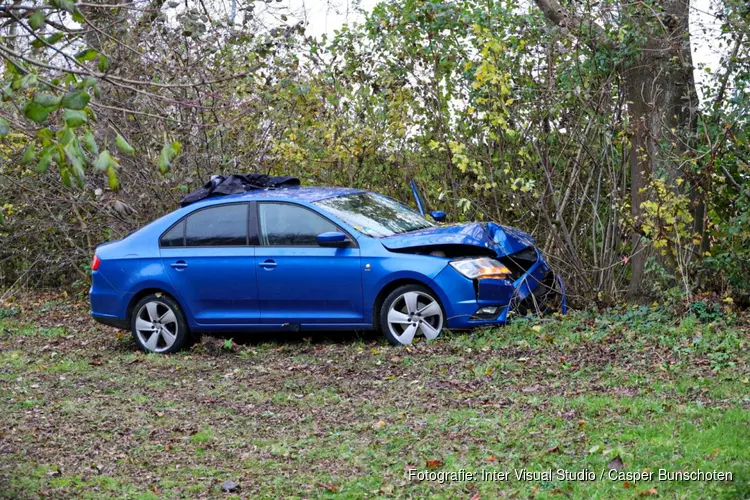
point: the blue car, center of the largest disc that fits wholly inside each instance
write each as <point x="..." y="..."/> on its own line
<point x="314" y="258"/>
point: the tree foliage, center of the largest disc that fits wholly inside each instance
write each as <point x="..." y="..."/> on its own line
<point x="501" y="110"/>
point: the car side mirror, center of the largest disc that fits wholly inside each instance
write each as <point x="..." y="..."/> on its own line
<point x="438" y="215"/>
<point x="333" y="239"/>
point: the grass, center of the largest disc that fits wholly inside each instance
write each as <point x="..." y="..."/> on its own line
<point x="84" y="415"/>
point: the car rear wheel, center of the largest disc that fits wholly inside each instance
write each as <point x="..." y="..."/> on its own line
<point x="158" y="325"/>
<point x="409" y="311"/>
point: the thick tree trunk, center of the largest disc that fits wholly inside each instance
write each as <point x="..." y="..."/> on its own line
<point x="660" y="91"/>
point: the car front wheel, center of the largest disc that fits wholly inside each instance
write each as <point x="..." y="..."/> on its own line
<point x="408" y="311"/>
<point x="158" y="325"/>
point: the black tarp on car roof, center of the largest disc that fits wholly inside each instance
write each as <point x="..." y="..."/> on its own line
<point x="238" y="183"/>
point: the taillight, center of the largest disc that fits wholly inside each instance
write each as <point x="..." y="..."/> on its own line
<point x="95" y="263"/>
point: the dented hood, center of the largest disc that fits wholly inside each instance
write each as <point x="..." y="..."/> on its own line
<point x="500" y="239"/>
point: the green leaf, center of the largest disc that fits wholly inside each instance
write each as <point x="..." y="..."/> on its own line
<point x="68" y="5"/>
<point x="114" y="183"/>
<point x="37" y="19"/>
<point x="87" y="55"/>
<point x="66" y="136"/>
<point x="90" y="143"/>
<point x="35" y="112"/>
<point x="77" y="16"/>
<point x="103" y="64"/>
<point x="74" y="118"/>
<point x="51" y="40"/>
<point x="4" y="128"/>
<point x="168" y="153"/>
<point x="164" y="163"/>
<point x="65" y="175"/>
<point x="54" y="38"/>
<point x="46" y="136"/>
<point x="28" y="81"/>
<point x="123" y="145"/>
<point x="76" y="100"/>
<point x="75" y="158"/>
<point x="7" y="90"/>
<point x="87" y="82"/>
<point x="104" y="161"/>
<point x="47" y="100"/>
<point x="29" y="155"/>
<point x="44" y="162"/>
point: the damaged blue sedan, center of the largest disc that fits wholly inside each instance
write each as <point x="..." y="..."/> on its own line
<point x="314" y="258"/>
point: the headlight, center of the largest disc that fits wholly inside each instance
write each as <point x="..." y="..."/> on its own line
<point x="481" y="268"/>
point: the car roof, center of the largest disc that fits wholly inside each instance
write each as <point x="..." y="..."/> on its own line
<point x="307" y="194"/>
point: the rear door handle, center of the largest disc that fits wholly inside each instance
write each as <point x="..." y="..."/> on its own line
<point x="268" y="264"/>
<point x="179" y="265"/>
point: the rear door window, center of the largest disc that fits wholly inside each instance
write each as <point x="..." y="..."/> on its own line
<point x="224" y="225"/>
<point x="175" y="237"/>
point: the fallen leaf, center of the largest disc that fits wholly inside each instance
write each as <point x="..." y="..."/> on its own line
<point x="333" y="488"/>
<point x="554" y="449"/>
<point x="378" y="425"/>
<point x="491" y="458"/>
<point x="229" y="486"/>
<point x="95" y="362"/>
<point x="713" y="455"/>
<point x="626" y="484"/>
<point x="648" y="493"/>
<point x="434" y="464"/>
<point x="386" y="489"/>
<point x="616" y="463"/>
<point x="475" y="496"/>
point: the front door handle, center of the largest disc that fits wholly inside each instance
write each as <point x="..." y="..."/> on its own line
<point x="268" y="264"/>
<point x="179" y="265"/>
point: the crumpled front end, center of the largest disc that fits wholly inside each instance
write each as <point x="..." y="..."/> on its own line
<point x="532" y="285"/>
<point x="485" y="302"/>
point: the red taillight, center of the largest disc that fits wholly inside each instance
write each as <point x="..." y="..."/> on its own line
<point x="95" y="263"/>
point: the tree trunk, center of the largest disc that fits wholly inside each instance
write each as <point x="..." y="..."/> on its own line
<point x="660" y="91"/>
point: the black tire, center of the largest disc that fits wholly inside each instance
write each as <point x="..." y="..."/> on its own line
<point x="425" y="294"/>
<point x="178" y="329"/>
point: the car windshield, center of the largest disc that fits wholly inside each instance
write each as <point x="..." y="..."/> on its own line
<point x="374" y="215"/>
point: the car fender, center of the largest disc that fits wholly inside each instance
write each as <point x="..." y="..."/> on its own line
<point x="154" y="284"/>
<point x="373" y="292"/>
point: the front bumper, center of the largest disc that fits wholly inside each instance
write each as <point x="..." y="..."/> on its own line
<point x="534" y="291"/>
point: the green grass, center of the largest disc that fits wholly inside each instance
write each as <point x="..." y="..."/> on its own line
<point x="87" y="416"/>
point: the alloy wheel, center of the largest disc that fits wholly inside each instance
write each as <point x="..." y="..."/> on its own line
<point x="415" y="312"/>
<point x="156" y="326"/>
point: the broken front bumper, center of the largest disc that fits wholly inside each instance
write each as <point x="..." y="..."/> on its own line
<point x="472" y="303"/>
